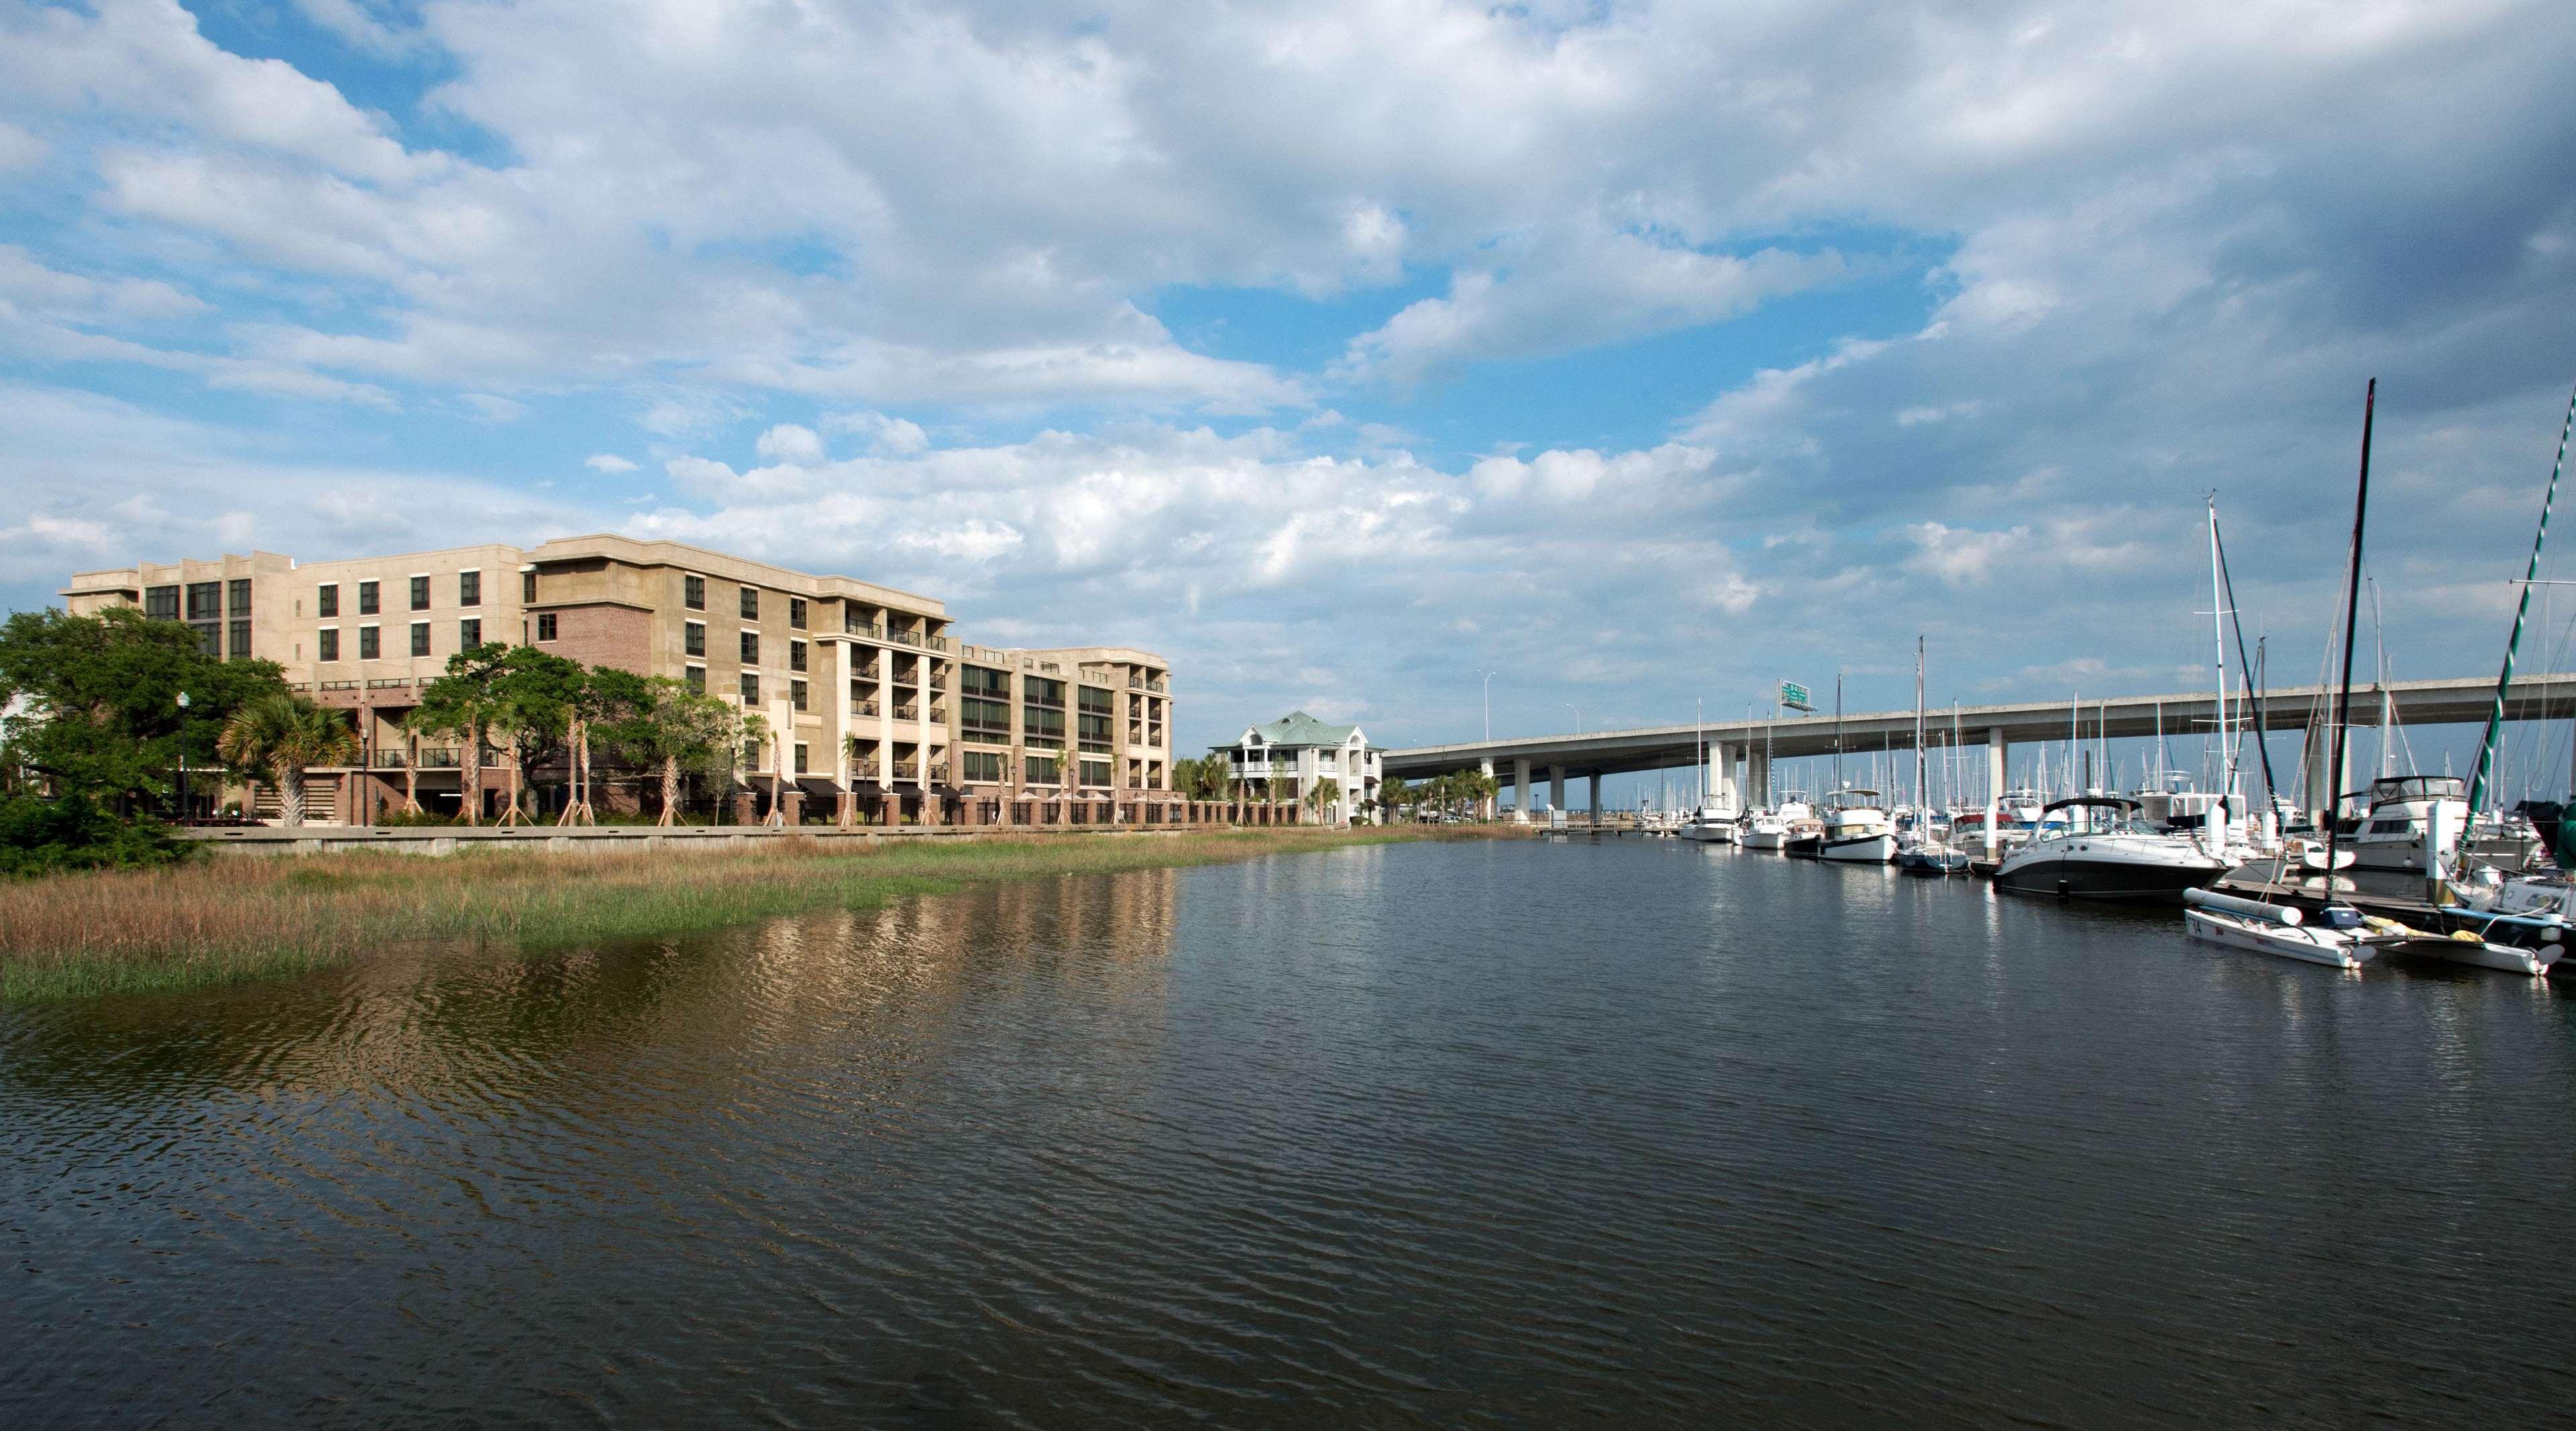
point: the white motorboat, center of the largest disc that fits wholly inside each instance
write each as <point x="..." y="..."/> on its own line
<point x="2391" y="835"/>
<point x="1711" y="825"/>
<point x="1856" y="830"/>
<point x="2102" y="850"/>
<point x="1774" y="828"/>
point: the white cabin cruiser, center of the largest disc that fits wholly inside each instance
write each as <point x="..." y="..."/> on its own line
<point x="2100" y="849"/>
<point x="2391" y="835"/>
<point x="1774" y="828"/>
<point x="1712" y="825"/>
<point x="1856" y="830"/>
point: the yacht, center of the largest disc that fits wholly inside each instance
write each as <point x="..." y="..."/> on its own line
<point x="2391" y="835"/>
<point x="1855" y="831"/>
<point x="2096" y="847"/>
<point x="1711" y="825"/>
<point x="1773" y="829"/>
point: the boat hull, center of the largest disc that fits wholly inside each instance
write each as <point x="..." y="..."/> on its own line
<point x="1858" y="849"/>
<point x="2311" y="946"/>
<point x="2080" y="875"/>
<point x="1709" y="834"/>
<point x="1765" y="839"/>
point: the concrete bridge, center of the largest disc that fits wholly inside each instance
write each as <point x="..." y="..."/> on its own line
<point x="1738" y="766"/>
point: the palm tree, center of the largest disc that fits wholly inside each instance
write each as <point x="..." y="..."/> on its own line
<point x="1326" y="794"/>
<point x="277" y="736"/>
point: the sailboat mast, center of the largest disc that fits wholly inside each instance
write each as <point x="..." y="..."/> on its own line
<point x="1918" y="724"/>
<point x="2504" y="682"/>
<point x="2253" y="683"/>
<point x="2351" y="619"/>
<point x="1838" y="730"/>
<point x="2218" y="647"/>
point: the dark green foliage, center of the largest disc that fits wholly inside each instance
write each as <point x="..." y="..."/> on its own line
<point x="40" y="836"/>
<point x="102" y="717"/>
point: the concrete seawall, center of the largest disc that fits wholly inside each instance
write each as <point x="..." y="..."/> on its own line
<point x="440" y="840"/>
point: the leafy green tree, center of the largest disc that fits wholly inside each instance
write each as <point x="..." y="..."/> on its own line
<point x="1393" y="794"/>
<point x="542" y="695"/>
<point x="276" y="736"/>
<point x="1326" y="793"/>
<point x="465" y="705"/>
<point x="95" y="711"/>
<point x="660" y="724"/>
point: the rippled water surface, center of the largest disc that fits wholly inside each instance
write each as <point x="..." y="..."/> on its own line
<point x="1511" y="1133"/>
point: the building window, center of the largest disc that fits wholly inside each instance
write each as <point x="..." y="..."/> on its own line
<point x="527" y="587"/>
<point x="237" y="596"/>
<point x="696" y="676"/>
<point x="990" y="720"/>
<point x="469" y="633"/>
<point x="469" y="588"/>
<point x="1040" y="769"/>
<point x="855" y="622"/>
<point x="800" y="753"/>
<point x="693" y="638"/>
<point x="161" y="603"/>
<point x="984" y="681"/>
<point x="1039" y="691"/>
<point x="751" y="603"/>
<point x="420" y="593"/>
<point x="326" y="645"/>
<point x="796" y="655"/>
<point x="1093" y="700"/>
<point x="545" y="626"/>
<point x="796" y="694"/>
<point x="750" y="689"/>
<point x="1044" y="728"/>
<point x="326" y="600"/>
<point x="369" y="646"/>
<point x="751" y="754"/>
<point x="985" y="766"/>
<point x="366" y="598"/>
<point x="239" y="646"/>
<point x="1095" y="772"/>
<point x="693" y="592"/>
<point x="1093" y="731"/>
<point x="205" y="600"/>
<point x="796" y="612"/>
<point x="420" y="638"/>
<point x="751" y="648"/>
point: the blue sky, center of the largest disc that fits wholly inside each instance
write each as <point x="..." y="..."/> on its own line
<point x="1640" y="354"/>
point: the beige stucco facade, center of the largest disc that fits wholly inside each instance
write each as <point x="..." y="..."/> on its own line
<point x="858" y="683"/>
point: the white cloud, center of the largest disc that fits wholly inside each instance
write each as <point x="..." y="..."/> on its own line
<point x="894" y="436"/>
<point x="19" y="149"/>
<point x="789" y="443"/>
<point x="489" y="407"/>
<point x="608" y="462"/>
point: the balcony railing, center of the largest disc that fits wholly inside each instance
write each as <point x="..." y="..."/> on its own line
<point x="863" y="708"/>
<point x="438" y="757"/>
<point x="387" y="760"/>
<point x="907" y="711"/>
<point x="343" y="685"/>
<point x="903" y="637"/>
<point x="938" y="643"/>
<point x="388" y="683"/>
<point x="939" y="715"/>
<point x="907" y="770"/>
<point x="863" y="770"/>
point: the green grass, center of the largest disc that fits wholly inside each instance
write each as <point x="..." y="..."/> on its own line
<point x="228" y="920"/>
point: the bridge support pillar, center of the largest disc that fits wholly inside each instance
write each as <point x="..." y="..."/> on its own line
<point x="1594" y="780"/>
<point x="1998" y="750"/>
<point x="1520" y="789"/>
<point x="1721" y="787"/>
<point x="1556" y="787"/>
<point x="1757" y="777"/>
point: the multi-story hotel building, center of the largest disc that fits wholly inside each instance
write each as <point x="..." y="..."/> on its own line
<point x="864" y="691"/>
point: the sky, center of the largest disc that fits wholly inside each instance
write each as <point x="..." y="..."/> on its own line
<point x="1639" y="355"/>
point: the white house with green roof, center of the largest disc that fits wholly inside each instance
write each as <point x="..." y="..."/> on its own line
<point x="1297" y="747"/>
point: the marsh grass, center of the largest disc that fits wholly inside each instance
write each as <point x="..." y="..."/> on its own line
<point x="225" y="920"/>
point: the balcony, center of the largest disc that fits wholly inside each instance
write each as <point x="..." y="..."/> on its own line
<point x="938" y="643"/>
<point x="907" y="770"/>
<point x="864" y="708"/>
<point x="344" y="685"/>
<point x="906" y="638"/>
<point x="437" y="758"/>
<point x="907" y="711"/>
<point x="395" y="683"/>
<point x="387" y="760"/>
<point x="939" y="715"/>
<point x="863" y="770"/>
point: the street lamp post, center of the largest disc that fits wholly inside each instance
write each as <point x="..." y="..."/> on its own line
<point x="183" y="757"/>
<point x="1578" y="717"/>
<point x="1489" y="706"/>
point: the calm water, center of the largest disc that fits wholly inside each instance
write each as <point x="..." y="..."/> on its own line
<point x="1514" y="1134"/>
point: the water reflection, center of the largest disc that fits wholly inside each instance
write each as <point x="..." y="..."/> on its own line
<point x="1527" y="1132"/>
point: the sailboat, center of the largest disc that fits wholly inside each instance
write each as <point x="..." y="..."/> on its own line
<point x="2516" y="915"/>
<point x="1714" y="822"/>
<point x="2336" y="935"/>
<point x="1926" y="853"/>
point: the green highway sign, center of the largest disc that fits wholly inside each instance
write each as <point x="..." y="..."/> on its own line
<point x="1794" y="696"/>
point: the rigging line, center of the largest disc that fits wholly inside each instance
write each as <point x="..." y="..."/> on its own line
<point x="2228" y="583"/>
<point x="2504" y="680"/>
